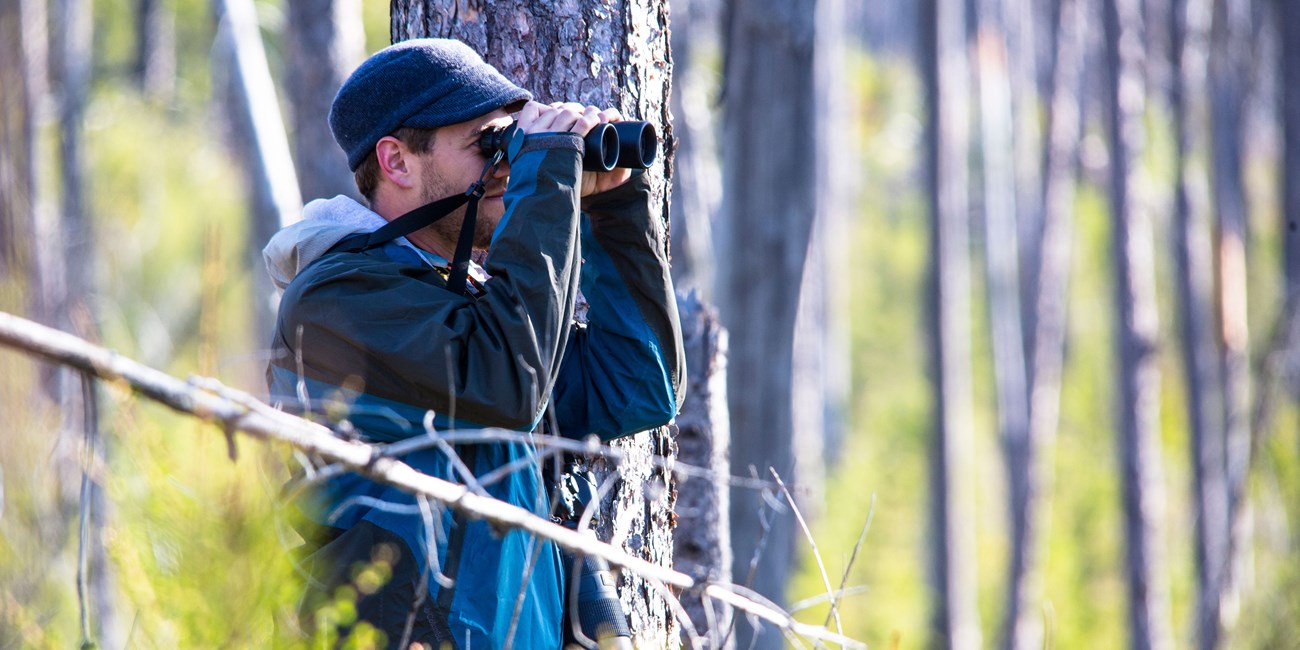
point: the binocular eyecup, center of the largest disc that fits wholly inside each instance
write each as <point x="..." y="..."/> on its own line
<point x="631" y="145"/>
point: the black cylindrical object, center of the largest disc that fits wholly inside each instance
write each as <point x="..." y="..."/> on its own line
<point x="600" y="148"/>
<point x="638" y="144"/>
<point x="632" y="145"/>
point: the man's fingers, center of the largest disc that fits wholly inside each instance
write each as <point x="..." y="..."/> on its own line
<point x="535" y="117"/>
<point x="611" y="115"/>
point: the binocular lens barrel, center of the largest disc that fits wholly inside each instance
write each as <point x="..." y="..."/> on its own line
<point x="600" y="149"/>
<point x="631" y="145"/>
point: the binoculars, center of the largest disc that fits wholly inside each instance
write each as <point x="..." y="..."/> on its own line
<point x="632" y="145"/>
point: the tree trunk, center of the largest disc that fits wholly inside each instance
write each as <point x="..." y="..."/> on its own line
<point x="1192" y="251"/>
<point x="769" y="189"/>
<point x="1002" y="253"/>
<point x="956" y="614"/>
<point x="702" y="542"/>
<point x="155" y="50"/>
<point x="697" y="182"/>
<point x="1136" y="335"/>
<point x="258" y="137"/>
<point x="326" y="42"/>
<point x="1031" y="466"/>
<point x="1288" y="25"/>
<point x="1229" y="72"/>
<point x="77" y="309"/>
<point x="15" y="152"/>
<point x="606" y="53"/>
<point x="47" y="281"/>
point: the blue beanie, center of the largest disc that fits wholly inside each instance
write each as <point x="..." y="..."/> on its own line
<point x="424" y="83"/>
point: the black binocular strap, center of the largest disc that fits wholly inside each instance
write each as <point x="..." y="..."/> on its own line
<point x="428" y="214"/>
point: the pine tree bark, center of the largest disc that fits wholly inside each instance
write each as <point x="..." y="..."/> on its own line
<point x="1136" y="335"/>
<point x="603" y="53"/>
<point x="702" y="540"/>
<point x="769" y="190"/>
<point x="326" y="42"/>
<point x="956" y="614"/>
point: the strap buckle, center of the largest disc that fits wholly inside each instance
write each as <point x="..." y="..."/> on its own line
<point x="479" y="187"/>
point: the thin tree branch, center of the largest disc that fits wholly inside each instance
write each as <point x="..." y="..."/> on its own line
<point x="366" y="460"/>
<point x="817" y="554"/>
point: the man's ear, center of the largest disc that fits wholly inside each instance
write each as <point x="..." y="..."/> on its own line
<point x="396" y="163"/>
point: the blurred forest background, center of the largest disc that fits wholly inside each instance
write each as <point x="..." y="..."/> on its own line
<point x="1041" y="256"/>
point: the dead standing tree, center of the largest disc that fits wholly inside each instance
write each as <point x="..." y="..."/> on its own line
<point x="943" y="37"/>
<point x="603" y="53"/>
<point x="1138" y="396"/>
<point x="769" y="199"/>
<point x="326" y="42"/>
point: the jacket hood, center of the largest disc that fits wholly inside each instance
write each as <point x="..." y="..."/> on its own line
<point x="325" y="222"/>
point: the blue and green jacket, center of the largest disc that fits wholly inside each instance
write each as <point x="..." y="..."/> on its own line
<point x="374" y="342"/>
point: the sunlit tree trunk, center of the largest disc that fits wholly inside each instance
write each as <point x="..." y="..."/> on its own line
<point x="325" y="42"/>
<point x="1189" y="26"/>
<point x="1031" y="467"/>
<point x="257" y="135"/>
<point x="697" y="181"/>
<point x="604" y="53"/>
<point x="956" y="614"/>
<point x="1229" y="71"/>
<point x="1138" y="388"/>
<point x="155" y="49"/>
<point x="1002" y="252"/>
<point x="769" y="198"/>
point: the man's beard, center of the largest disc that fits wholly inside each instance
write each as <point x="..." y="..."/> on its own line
<point x="448" y="227"/>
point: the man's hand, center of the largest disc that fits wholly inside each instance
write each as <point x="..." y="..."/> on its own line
<point x="536" y="117"/>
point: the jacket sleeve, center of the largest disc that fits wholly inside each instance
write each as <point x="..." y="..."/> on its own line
<point x="374" y="326"/>
<point x="624" y="372"/>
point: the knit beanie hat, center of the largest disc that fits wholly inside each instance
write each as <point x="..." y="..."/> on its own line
<point x="423" y="83"/>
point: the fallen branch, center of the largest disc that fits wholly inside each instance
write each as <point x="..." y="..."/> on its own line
<point x="235" y="411"/>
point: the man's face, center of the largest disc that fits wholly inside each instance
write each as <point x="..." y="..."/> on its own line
<point x="455" y="162"/>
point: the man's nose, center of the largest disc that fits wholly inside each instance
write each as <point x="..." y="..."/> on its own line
<point x="502" y="169"/>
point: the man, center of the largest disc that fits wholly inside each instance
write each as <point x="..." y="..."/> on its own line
<point x="379" y="336"/>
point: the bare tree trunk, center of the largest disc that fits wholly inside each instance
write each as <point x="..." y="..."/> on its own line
<point x="1229" y="72"/>
<point x="1188" y="39"/>
<point x="155" y="49"/>
<point x="956" y="614"/>
<point x="15" y="151"/>
<point x="769" y="189"/>
<point x="1020" y="24"/>
<point x="1136" y="335"/>
<point x="1288" y="25"/>
<point x="702" y="541"/>
<point x="1002" y="253"/>
<point x="1031" y="466"/>
<point x="71" y="57"/>
<point x="47" y="283"/>
<point x="606" y="53"/>
<point x="326" y="42"/>
<point x="697" y="183"/>
<point x="258" y="137"/>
